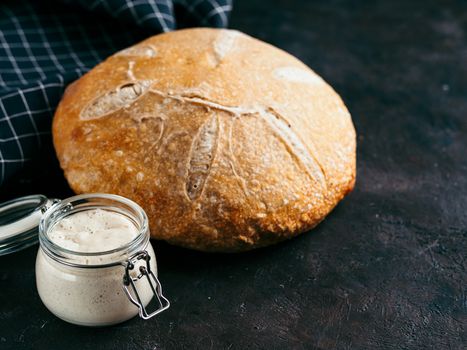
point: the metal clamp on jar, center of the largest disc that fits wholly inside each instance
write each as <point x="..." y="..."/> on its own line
<point x="92" y="288"/>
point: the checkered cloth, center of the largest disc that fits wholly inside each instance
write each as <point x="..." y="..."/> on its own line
<point x="45" y="45"/>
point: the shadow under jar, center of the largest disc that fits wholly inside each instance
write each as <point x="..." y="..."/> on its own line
<point x="95" y="287"/>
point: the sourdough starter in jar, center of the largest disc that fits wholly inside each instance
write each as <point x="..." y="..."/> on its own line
<point x="85" y="295"/>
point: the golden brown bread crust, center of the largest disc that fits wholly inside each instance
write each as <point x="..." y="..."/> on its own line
<point x="227" y="142"/>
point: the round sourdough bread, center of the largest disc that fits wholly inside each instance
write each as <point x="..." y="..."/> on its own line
<point x="228" y="143"/>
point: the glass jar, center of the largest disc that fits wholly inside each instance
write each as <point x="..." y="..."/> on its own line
<point x="98" y="288"/>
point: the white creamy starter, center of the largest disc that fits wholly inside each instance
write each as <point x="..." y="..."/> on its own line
<point x="91" y="296"/>
<point x="94" y="230"/>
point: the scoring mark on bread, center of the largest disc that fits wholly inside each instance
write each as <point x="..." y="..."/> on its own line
<point x="202" y="154"/>
<point x="153" y="121"/>
<point x="166" y="139"/>
<point x="115" y="99"/>
<point x="197" y="99"/>
<point x="297" y="149"/>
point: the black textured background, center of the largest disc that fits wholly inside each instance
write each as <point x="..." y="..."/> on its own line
<point x="385" y="270"/>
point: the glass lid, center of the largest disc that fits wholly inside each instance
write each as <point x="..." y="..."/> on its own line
<point x="19" y="221"/>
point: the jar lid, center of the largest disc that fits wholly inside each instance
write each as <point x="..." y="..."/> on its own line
<point x="19" y="221"/>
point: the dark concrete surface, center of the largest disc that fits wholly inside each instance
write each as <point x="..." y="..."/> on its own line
<point x="386" y="270"/>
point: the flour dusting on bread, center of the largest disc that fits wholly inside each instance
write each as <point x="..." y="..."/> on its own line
<point x="144" y="50"/>
<point x="224" y="43"/>
<point x="297" y="75"/>
<point x="129" y="72"/>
